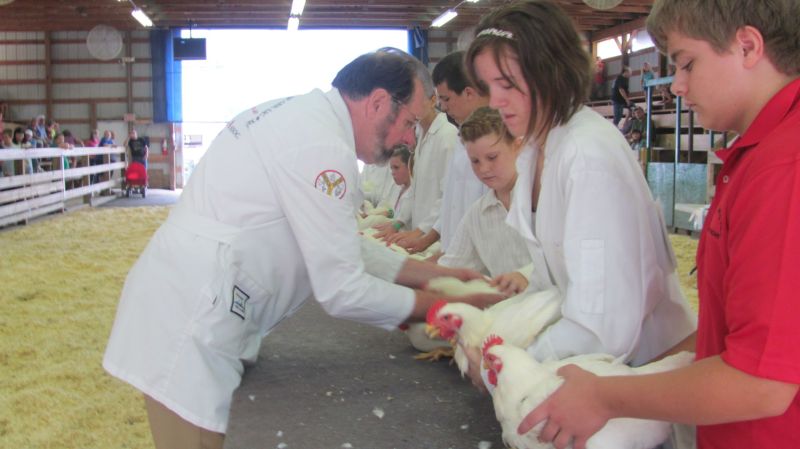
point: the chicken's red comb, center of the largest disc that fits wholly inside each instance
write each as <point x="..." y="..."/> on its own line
<point x="490" y="341"/>
<point x="434" y="310"/>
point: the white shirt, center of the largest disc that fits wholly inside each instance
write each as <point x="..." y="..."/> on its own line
<point x="267" y="218"/>
<point x="431" y="157"/>
<point x="600" y="238"/>
<point x="461" y="190"/>
<point x="377" y="184"/>
<point x="485" y="243"/>
<point x="402" y="205"/>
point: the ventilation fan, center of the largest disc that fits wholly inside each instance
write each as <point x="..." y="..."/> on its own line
<point x="602" y="4"/>
<point x="104" y="42"/>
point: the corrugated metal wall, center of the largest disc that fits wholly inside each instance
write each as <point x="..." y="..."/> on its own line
<point x="53" y="74"/>
<point x="83" y="90"/>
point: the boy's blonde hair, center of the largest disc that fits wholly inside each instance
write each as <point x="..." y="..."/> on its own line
<point x="483" y="122"/>
<point x="716" y="22"/>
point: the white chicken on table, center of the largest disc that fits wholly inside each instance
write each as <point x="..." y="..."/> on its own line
<point x="518" y="320"/>
<point x="521" y="384"/>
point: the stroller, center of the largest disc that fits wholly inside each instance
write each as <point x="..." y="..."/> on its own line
<point x="135" y="179"/>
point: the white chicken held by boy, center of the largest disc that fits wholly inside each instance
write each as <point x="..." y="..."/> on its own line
<point x="521" y="383"/>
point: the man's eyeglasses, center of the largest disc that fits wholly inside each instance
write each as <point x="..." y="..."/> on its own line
<point x="408" y="123"/>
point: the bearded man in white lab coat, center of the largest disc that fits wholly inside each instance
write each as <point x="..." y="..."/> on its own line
<point x="267" y="220"/>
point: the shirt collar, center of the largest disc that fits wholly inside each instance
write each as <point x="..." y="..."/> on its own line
<point x="490" y="200"/>
<point x="776" y="109"/>
<point x="438" y="123"/>
<point x="343" y="114"/>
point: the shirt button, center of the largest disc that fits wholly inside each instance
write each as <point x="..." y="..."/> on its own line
<point x="725" y="179"/>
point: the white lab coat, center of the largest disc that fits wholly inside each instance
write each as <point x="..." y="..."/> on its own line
<point x="461" y="190"/>
<point x="377" y="184"/>
<point x="600" y="238"/>
<point x="267" y="218"/>
<point x="431" y="158"/>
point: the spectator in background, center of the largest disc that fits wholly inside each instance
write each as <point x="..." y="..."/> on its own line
<point x="599" y="80"/>
<point x="36" y="140"/>
<point x="18" y="137"/>
<point x="664" y="89"/>
<point x="8" y="139"/>
<point x="97" y="159"/>
<point x="26" y="140"/>
<point x="636" y="140"/>
<point x="51" y="132"/>
<point x="647" y="75"/>
<point x="93" y="140"/>
<point x="70" y="139"/>
<point x="620" y="96"/>
<point x="39" y="132"/>
<point x="24" y="137"/>
<point x="107" y="140"/>
<point x="60" y="142"/>
<point x="137" y="148"/>
<point x="636" y="122"/>
<point x="7" y="167"/>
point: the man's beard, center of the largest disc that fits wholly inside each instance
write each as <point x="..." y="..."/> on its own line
<point x="382" y="153"/>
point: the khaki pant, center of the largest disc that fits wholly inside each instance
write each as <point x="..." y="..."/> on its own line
<point x="170" y="431"/>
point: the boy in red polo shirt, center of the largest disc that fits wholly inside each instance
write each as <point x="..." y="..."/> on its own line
<point x="737" y="67"/>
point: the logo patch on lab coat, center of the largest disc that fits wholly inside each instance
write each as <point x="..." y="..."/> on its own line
<point x="331" y="183"/>
<point x="239" y="302"/>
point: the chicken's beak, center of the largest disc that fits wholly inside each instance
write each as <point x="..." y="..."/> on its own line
<point x="432" y="331"/>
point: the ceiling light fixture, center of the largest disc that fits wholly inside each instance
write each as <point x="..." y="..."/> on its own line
<point x="449" y="15"/>
<point x="297" y="7"/>
<point x="294" y="14"/>
<point x="294" y="23"/>
<point x="445" y="17"/>
<point x="140" y="15"/>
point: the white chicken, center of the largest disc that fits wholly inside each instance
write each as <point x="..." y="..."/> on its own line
<point x="521" y="383"/>
<point x="371" y="221"/>
<point x="518" y="320"/>
<point x="381" y="209"/>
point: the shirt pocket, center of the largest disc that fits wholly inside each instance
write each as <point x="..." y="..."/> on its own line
<point x="592" y="276"/>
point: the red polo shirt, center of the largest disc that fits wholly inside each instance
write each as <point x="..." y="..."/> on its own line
<point x="748" y="266"/>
